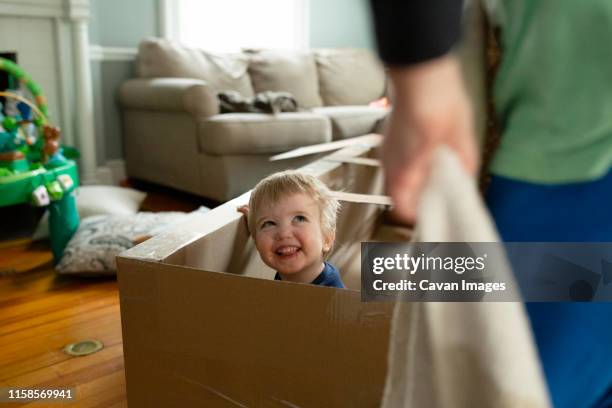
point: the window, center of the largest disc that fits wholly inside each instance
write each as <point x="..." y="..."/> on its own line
<point x="230" y="25"/>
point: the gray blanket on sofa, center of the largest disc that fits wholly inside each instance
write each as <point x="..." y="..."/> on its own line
<point x="263" y="102"/>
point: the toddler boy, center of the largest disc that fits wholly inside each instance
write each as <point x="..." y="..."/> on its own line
<point x="292" y="218"/>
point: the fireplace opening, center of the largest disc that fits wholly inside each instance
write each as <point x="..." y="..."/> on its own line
<point x="7" y="81"/>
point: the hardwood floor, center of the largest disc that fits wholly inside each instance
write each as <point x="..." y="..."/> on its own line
<point x="41" y="312"/>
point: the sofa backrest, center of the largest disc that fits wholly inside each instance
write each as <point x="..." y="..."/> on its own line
<point x="289" y="71"/>
<point x="349" y="76"/>
<point x="162" y="58"/>
<point x="320" y="77"/>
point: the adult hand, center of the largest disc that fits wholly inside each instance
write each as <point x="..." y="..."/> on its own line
<point x="430" y="108"/>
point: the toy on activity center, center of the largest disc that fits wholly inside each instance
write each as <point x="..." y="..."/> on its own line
<point x="34" y="167"/>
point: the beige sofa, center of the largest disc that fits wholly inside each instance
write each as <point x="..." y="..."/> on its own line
<point x="174" y="134"/>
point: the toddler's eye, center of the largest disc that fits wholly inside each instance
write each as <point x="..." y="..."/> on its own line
<point x="300" y="218"/>
<point x="266" y="224"/>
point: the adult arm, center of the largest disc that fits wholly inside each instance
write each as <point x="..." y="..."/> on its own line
<point x="412" y="31"/>
<point x="431" y="106"/>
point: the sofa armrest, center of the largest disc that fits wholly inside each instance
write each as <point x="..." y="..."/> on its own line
<point x="193" y="96"/>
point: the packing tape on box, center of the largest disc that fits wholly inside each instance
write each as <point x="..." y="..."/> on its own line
<point x="363" y="198"/>
<point x="364" y="161"/>
<point x="370" y="140"/>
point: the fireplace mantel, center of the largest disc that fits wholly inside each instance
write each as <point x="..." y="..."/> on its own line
<point x="45" y="8"/>
<point x="52" y="40"/>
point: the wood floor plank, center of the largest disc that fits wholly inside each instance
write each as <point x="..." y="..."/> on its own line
<point x="100" y="309"/>
<point x="21" y="256"/>
<point x="24" y="307"/>
<point x="121" y="404"/>
<point x="40" y="280"/>
<point x="102" y="391"/>
<point x="43" y="279"/>
<point x="46" y="350"/>
<point x="68" y="315"/>
<point x="66" y="370"/>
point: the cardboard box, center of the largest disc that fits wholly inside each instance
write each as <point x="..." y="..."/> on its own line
<point x="204" y="323"/>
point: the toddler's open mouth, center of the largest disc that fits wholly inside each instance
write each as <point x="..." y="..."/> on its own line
<point x="287" y="251"/>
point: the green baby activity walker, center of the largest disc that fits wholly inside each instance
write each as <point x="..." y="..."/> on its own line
<point x="34" y="167"/>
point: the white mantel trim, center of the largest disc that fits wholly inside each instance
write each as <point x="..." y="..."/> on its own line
<point x="70" y="9"/>
<point x="32" y="8"/>
<point x="85" y="132"/>
<point x="102" y="53"/>
<point x="77" y="9"/>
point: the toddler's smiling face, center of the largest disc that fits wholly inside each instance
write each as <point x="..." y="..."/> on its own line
<point x="290" y="239"/>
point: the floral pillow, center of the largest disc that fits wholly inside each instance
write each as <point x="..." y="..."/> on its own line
<point x="100" y="238"/>
<point x="98" y="200"/>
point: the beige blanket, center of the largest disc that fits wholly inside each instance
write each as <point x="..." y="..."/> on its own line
<point x="460" y="354"/>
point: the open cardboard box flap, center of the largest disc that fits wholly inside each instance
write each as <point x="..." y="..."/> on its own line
<point x="205" y="325"/>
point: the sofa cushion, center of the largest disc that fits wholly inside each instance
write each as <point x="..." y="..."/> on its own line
<point x="351" y="121"/>
<point x="289" y="71"/>
<point x="162" y="58"/>
<point x="349" y="76"/>
<point x="257" y="133"/>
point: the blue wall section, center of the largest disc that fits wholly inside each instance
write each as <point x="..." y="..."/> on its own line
<point x="340" y="23"/>
<point x="120" y="23"/>
<point x="115" y="23"/>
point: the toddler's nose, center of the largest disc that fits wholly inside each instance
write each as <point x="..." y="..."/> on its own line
<point x="283" y="231"/>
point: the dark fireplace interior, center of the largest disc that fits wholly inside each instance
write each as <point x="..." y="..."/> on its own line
<point x="6" y="80"/>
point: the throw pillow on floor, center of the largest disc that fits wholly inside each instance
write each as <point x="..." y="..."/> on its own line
<point x="101" y="238"/>
<point x="98" y="200"/>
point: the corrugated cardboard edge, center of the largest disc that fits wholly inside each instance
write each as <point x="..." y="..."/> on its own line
<point x="370" y="140"/>
<point x="161" y="246"/>
<point x="362" y="198"/>
<point x="364" y="161"/>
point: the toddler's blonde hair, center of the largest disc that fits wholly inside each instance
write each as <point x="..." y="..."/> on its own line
<point x="279" y="185"/>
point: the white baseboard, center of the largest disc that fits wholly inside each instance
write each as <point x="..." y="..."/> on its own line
<point x="104" y="175"/>
<point x="117" y="167"/>
<point x="111" y="173"/>
<point x="100" y="53"/>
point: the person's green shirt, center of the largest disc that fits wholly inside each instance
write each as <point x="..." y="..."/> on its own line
<point x="553" y="91"/>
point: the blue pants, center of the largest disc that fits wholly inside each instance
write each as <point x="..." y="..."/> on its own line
<point x="574" y="340"/>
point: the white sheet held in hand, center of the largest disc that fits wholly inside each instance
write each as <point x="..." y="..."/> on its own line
<point x="450" y="354"/>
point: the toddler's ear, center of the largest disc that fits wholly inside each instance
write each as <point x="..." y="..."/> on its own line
<point x="328" y="241"/>
<point x="244" y="209"/>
